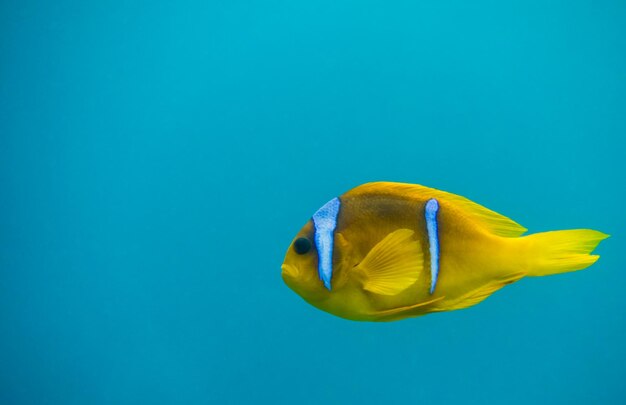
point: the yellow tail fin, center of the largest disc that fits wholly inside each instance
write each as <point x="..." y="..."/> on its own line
<point x="562" y="251"/>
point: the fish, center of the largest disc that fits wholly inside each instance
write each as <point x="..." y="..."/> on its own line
<point x="387" y="251"/>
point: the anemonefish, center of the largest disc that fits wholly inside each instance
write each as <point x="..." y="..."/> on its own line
<point x="388" y="251"/>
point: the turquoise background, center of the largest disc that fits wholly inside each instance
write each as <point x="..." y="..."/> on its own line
<point x="157" y="158"/>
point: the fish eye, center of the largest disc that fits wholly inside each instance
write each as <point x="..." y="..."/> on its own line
<point x="302" y="246"/>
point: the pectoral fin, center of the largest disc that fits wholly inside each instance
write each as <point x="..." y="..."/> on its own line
<point x="393" y="264"/>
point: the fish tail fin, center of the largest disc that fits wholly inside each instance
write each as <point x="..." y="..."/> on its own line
<point x="562" y="251"/>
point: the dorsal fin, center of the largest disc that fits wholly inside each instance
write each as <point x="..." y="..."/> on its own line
<point x="496" y="223"/>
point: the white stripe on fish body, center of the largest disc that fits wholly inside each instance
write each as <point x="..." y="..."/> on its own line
<point x="430" y="213"/>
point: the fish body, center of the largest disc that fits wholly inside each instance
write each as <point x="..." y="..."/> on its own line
<point x="399" y="250"/>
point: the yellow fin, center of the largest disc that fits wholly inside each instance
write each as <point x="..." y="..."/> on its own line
<point x="562" y="251"/>
<point x="404" y="310"/>
<point x="393" y="264"/>
<point x="476" y="296"/>
<point x="496" y="223"/>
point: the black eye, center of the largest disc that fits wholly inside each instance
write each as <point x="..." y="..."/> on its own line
<point x="302" y="246"/>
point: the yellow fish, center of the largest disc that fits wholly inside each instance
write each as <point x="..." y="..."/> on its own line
<point x="388" y="251"/>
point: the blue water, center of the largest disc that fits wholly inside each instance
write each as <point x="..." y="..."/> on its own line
<point x="156" y="158"/>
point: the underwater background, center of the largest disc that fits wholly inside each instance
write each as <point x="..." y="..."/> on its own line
<point x="157" y="159"/>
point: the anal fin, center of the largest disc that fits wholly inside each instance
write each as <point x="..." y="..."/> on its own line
<point x="480" y="294"/>
<point x="404" y="310"/>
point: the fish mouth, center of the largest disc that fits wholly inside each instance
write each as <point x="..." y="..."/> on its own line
<point x="289" y="271"/>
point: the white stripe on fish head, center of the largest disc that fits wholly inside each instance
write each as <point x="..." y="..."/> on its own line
<point x="325" y="222"/>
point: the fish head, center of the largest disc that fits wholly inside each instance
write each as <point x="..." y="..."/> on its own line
<point x="300" y="267"/>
